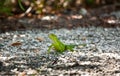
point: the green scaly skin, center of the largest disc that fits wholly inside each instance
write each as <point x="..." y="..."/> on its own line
<point x="58" y="45"/>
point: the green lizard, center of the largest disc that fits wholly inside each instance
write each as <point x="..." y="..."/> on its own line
<point x="58" y="45"/>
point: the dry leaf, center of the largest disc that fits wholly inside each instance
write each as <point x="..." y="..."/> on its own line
<point x="39" y="39"/>
<point x="31" y="71"/>
<point x="22" y="74"/>
<point x="16" y="43"/>
<point x="83" y="38"/>
<point x="35" y="50"/>
<point x="77" y="16"/>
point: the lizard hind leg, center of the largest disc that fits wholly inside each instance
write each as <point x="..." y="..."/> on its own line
<point x="70" y="47"/>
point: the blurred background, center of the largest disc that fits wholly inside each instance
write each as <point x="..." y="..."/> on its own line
<point x="43" y="7"/>
<point x="55" y="14"/>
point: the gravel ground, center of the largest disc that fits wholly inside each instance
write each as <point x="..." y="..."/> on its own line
<point x="25" y="52"/>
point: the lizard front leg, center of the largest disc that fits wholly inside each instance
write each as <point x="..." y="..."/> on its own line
<point x="50" y="48"/>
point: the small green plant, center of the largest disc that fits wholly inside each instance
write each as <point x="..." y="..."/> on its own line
<point x="58" y="45"/>
<point x="6" y="7"/>
<point x="20" y="4"/>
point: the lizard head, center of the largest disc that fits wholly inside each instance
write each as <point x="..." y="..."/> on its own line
<point x="52" y="36"/>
